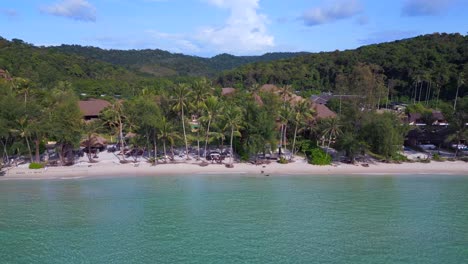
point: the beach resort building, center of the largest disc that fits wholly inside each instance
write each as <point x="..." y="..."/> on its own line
<point x="92" y="108"/>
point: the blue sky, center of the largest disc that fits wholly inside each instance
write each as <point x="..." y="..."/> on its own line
<point x="240" y="27"/>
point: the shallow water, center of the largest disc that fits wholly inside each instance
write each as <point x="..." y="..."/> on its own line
<point x="227" y="219"/>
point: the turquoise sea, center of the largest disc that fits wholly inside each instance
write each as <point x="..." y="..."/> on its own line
<point x="235" y="219"/>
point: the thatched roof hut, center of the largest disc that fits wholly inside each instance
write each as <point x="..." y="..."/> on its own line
<point x="95" y="141"/>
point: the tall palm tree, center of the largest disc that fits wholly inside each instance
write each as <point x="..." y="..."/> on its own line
<point x="23" y="130"/>
<point x="90" y="129"/>
<point x="285" y="115"/>
<point x="285" y="92"/>
<point x="211" y="109"/>
<point x="114" y="116"/>
<point x="233" y="117"/>
<point x="303" y="113"/>
<point x="200" y="91"/>
<point x="332" y="129"/>
<point x="181" y="94"/>
<point x="167" y="133"/>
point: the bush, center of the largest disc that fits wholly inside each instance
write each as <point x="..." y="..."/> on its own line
<point x="399" y="158"/>
<point x="437" y="157"/>
<point x="282" y="160"/>
<point x="465" y="159"/>
<point x="319" y="157"/>
<point x="36" y="166"/>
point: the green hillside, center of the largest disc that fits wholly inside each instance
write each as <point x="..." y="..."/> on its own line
<point x="433" y="62"/>
<point x="425" y="67"/>
<point x="163" y="63"/>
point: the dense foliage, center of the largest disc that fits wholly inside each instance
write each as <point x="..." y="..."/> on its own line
<point x="163" y="63"/>
<point x="319" y="157"/>
<point x="40" y="89"/>
<point x="431" y="64"/>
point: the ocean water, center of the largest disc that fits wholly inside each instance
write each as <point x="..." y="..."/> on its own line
<point x="235" y="219"/>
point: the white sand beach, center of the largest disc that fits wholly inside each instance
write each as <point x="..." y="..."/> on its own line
<point x="108" y="166"/>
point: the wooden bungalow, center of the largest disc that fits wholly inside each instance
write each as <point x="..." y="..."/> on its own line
<point x="92" y="108"/>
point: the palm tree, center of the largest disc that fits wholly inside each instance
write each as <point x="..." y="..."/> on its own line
<point x="23" y="130"/>
<point x="332" y="129"/>
<point x="90" y="129"/>
<point x="212" y="109"/>
<point x="114" y="117"/>
<point x="233" y="117"/>
<point x="200" y="91"/>
<point x="302" y="114"/>
<point x="285" y="92"/>
<point x="167" y="134"/>
<point x="285" y="115"/>
<point x="181" y="93"/>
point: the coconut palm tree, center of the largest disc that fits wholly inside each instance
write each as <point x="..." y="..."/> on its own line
<point x="233" y="117"/>
<point x="181" y="93"/>
<point x="24" y="131"/>
<point x="90" y="129"/>
<point x="167" y="133"/>
<point x="114" y="117"/>
<point x="332" y="129"/>
<point x="211" y="109"/>
<point x="303" y="113"/>
<point x="285" y="92"/>
<point x="285" y="115"/>
<point x="200" y="91"/>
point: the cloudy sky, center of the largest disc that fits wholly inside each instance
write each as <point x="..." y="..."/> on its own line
<point x="240" y="27"/>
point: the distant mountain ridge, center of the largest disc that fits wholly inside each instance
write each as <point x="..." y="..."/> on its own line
<point x="162" y="63"/>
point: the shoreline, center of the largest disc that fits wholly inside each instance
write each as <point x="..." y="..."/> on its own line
<point x="298" y="168"/>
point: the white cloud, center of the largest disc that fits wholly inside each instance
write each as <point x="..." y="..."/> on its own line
<point x="75" y="9"/>
<point x="338" y="10"/>
<point x="244" y="31"/>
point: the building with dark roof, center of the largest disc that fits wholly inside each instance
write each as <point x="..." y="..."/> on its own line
<point x="92" y="108"/>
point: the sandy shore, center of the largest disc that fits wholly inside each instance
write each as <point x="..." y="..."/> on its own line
<point x="300" y="167"/>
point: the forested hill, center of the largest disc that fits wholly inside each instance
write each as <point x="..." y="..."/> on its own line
<point x="45" y="69"/>
<point x="163" y="63"/>
<point x="434" y="64"/>
<point x="46" y="66"/>
<point x="435" y="61"/>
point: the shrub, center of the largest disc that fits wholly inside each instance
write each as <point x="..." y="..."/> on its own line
<point x="465" y="159"/>
<point x="36" y="166"/>
<point x="319" y="157"/>
<point x="437" y="157"/>
<point x="282" y="160"/>
<point x="399" y="158"/>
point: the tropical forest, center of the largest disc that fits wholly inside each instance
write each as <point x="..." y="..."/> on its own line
<point x="372" y="101"/>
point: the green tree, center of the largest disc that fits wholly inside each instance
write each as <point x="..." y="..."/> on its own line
<point x="65" y="123"/>
<point x="90" y="129"/>
<point x="233" y="116"/>
<point x="181" y="94"/>
<point x="331" y="130"/>
<point x="303" y="114"/>
<point x="384" y="134"/>
<point x="458" y="120"/>
<point x="212" y="109"/>
<point x="200" y="92"/>
<point x="144" y="115"/>
<point x="114" y="117"/>
<point x="167" y="134"/>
